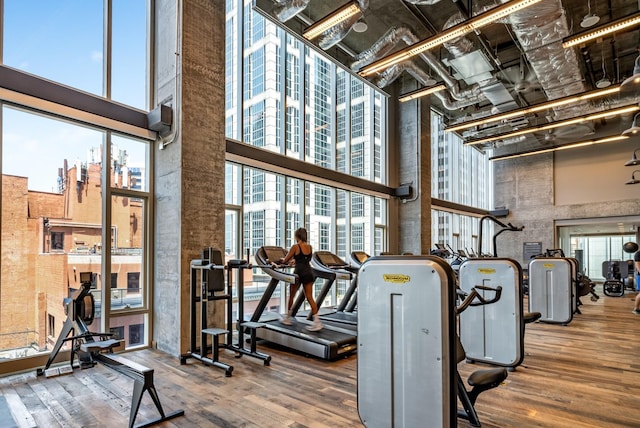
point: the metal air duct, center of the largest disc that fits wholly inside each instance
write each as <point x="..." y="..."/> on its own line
<point x="540" y="29"/>
<point x="452" y="100"/>
<point x="474" y="68"/>
<point x="287" y="9"/>
<point x="338" y="32"/>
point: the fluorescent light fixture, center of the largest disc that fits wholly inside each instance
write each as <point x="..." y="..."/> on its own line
<point x="334" y="18"/>
<point x="454" y="32"/>
<point x="558" y="124"/>
<point x="556" y="148"/>
<point x="423" y="93"/>
<point x="535" y="108"/>
<point x="611" y="27"/>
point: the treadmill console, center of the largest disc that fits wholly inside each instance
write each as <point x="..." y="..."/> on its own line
<point x="329" y="259"/>
<point x="273" y="254"/>
<point x="359" y="257"/>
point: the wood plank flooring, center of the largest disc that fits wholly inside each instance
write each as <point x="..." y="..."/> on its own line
<point x="585" y="374"/>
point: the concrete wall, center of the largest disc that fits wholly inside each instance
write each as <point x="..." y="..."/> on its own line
<point x="575" y="184"/>
<point x="188" y="194"/>
<point x="412" y="143"/>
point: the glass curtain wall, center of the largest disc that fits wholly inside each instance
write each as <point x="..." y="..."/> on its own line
<point x="595" y="253"/>
<point x="63" y="212"/>
<point x="463" y="175"/>
<point x="286" y="97"/>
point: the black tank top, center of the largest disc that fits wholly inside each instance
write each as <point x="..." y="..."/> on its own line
<point x="302" y="267"/>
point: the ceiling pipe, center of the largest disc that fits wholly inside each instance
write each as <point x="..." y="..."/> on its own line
<point x="287" y="9"/>
<point x="338" y="32"/>
<point x="395" y="35"/>
<point x="588" y="64"/>
<point x="615" y="59"/>
<point x="540" y="29"/>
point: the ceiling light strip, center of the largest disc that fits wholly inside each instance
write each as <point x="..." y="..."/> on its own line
<point x="556" y="148"/>
<point x="454" y="32"/>
<point x="538" y="107"/>
<point x="421" y="93"/>
<point x="334" y="18"/>
<point x="553" y="125"/>
<point x="612" y="27"/>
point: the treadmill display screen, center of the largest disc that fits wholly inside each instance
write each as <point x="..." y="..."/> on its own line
<point x="360" y="256"/>
<point x="329" y="259"/>
<point x="274" y="253"/>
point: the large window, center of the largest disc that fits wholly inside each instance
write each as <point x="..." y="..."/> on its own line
<point x="55" y="186"/>
<point x="460" y="174"/>
<point x="64" y="41"/>
<point x="298" y="102"/>
<point x="339" y="221"/>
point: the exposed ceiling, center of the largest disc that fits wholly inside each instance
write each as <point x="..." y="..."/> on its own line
<point x="511" y="64"/>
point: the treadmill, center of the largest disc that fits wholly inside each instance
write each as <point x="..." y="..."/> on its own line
<point x="350" y="301"/>
<point x="331" y="268"/>
<point x="329" y="343"/>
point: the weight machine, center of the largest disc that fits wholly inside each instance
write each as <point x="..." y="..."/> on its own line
<point x="408" y="349"/>
<point x="210" y="270"/>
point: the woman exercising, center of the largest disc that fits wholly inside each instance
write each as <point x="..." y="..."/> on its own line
<point x="301" y="253"/>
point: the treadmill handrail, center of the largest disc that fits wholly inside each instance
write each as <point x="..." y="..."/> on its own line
<point x="273" y="269"/>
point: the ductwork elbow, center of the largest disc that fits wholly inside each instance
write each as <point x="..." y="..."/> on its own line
<point x="392" y="73"/>
<point x="389" y="75"/>
<point x="287" y="9"/>
<point x="461" y="45"/>
<point x="383" y="46"/>
<point x="338" y="32"/>
<point x="450" y="104"/>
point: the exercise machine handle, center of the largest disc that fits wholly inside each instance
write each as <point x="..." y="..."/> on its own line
<point x="475" y="299"/>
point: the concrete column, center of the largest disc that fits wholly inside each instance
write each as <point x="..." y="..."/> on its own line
<point x="414" y="167"/>
<point x="189" y="168"/>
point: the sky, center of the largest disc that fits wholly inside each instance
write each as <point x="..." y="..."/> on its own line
<point x="63" y="41"/>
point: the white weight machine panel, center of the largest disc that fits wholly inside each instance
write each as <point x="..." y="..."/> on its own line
<point x="406" y="347"/>
<point x="551" y="289"/>
<point x="493" y="333"/>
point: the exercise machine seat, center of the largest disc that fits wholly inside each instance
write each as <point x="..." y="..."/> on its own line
<point x="487" y="377"/>
<point x="529" y="317"/>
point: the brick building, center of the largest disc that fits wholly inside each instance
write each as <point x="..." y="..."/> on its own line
<point x="48" y="239"/>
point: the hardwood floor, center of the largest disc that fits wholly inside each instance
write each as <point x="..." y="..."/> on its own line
<point x="585" y="374"/>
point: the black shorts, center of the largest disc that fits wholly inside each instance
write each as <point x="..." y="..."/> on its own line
<point x="305" y="276"/>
